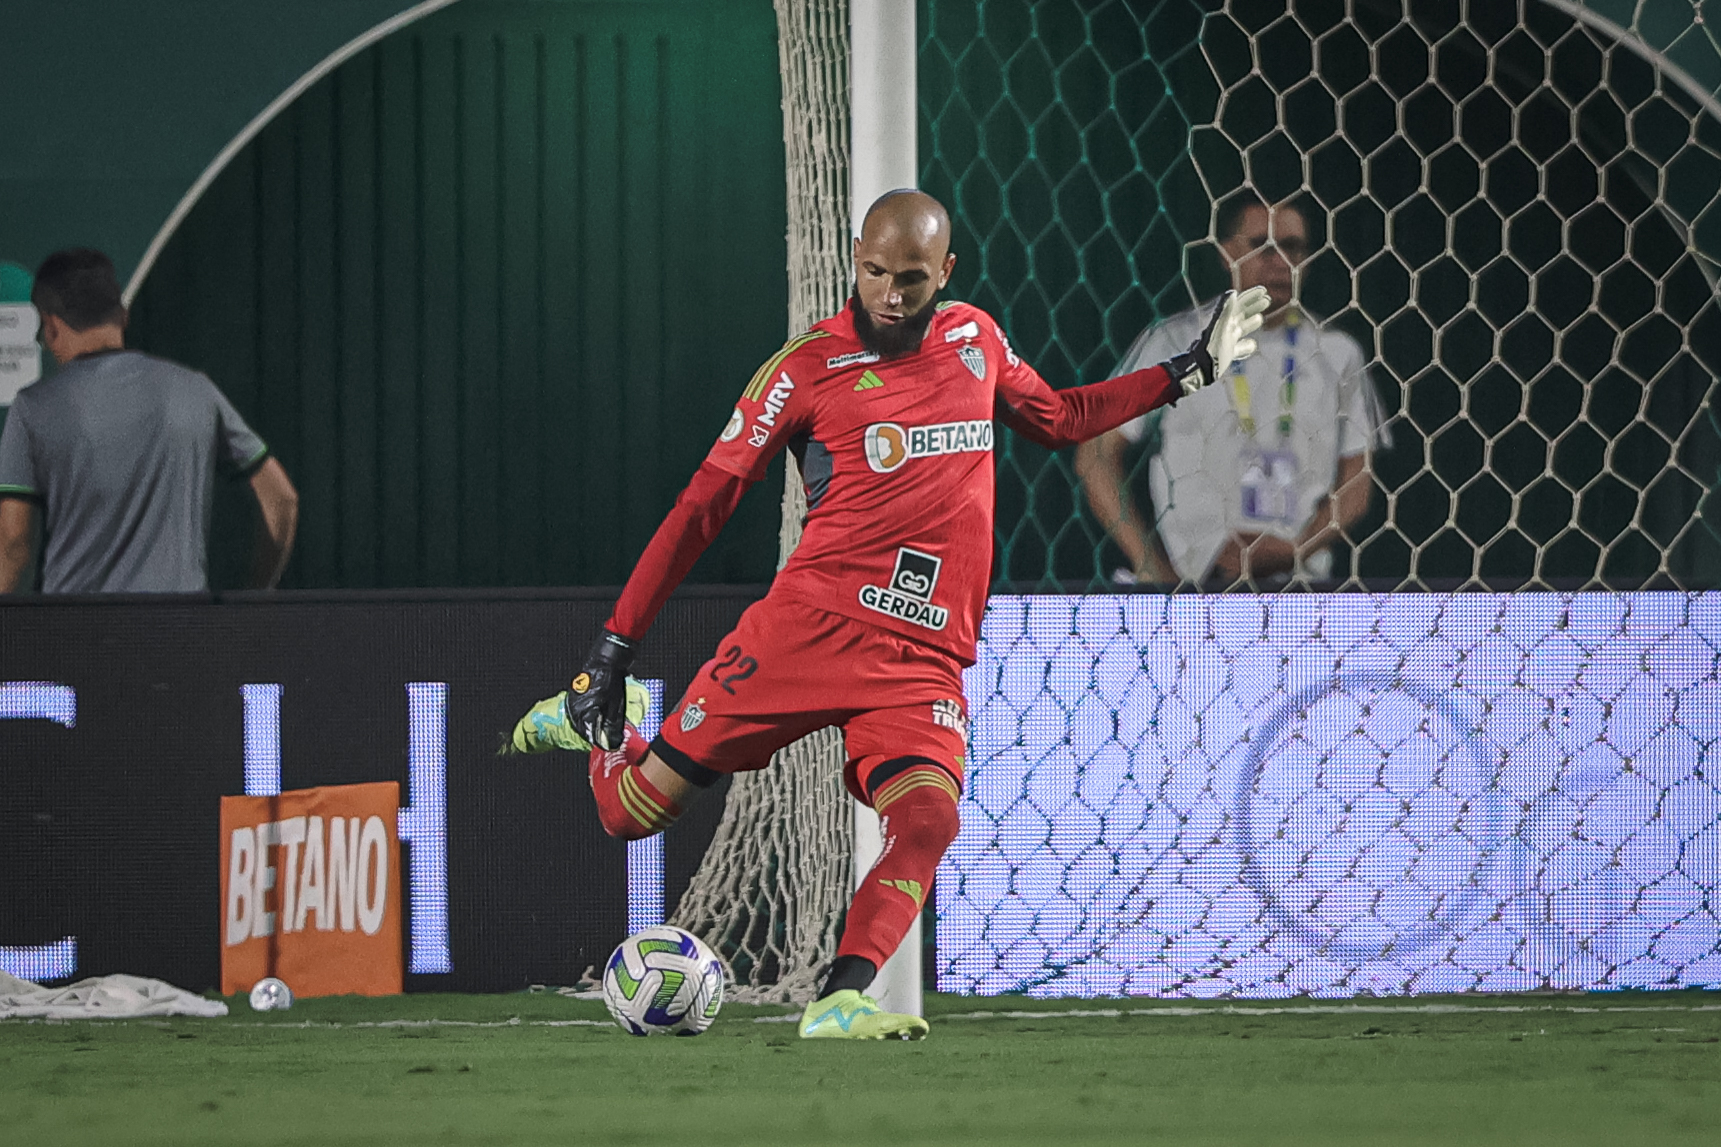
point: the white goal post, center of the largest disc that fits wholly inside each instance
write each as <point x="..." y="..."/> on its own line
<point x="771" y="893"/>
<point x="884" y="158"/>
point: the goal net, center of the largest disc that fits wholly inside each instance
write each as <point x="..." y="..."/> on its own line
<point x="775" y="882"/>
<point x="1512" y="213"/>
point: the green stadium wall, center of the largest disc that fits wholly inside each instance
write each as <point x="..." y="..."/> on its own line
<point x="490" y="288"/>
<point x="406" y="477"/>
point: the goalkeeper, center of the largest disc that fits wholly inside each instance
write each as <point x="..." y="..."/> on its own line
<point x="888" y="408"/>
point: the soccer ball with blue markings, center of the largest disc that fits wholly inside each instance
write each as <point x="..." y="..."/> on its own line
<point x="663" y="981"/>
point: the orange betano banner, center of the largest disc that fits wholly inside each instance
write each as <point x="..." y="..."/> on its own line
<point x="310" y="888"/>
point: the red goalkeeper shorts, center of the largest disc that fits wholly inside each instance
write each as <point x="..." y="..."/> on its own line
<point x="789" y="669"/>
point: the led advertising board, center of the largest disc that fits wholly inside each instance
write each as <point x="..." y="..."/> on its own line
<point x="1337" y="795"/>
<point x="123" y="723"/>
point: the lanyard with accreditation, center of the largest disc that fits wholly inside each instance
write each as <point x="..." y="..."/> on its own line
<point x="1269" y="483"/>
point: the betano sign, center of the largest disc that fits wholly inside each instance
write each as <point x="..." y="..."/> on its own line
<point x="311" y="891"/>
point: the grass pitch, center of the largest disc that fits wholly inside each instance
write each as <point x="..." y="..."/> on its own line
<point x="528" y="1069"/>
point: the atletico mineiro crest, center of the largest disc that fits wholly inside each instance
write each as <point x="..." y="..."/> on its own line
<point x="974" y="359"/>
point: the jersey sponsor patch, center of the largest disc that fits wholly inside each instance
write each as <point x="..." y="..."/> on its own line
<point x="909" y="595"/>
<point x="949" y="714"/>
<point x="974" y="359"/>
<point x="889" y="445"/>
<point x="855" y="359"/>
<point x="731" y="432"/>
<point x="774" y="401"/>
<point x="968" y="330"/>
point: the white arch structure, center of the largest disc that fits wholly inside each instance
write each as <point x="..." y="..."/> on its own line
<point x="1576" y="9"/>
<point x="261" y="120"/>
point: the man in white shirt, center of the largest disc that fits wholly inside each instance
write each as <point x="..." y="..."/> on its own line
<point x="1255" y="477"/>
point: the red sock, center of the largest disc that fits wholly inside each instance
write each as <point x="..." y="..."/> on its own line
<point x="629" y="805"/>
<point x="919" y="820"/>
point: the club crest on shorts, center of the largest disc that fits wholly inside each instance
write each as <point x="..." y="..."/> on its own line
<point x="974" y="359"/>
<point x="909" y="595"/>
<point x="692" y="716"/>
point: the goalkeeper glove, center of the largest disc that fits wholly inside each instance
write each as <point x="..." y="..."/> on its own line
<point x="1226" y="340"/>
<point x="597" y="694"/>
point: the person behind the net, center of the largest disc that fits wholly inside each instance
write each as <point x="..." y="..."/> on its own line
<point x="888" y="408"/>
<point x="1256" y="479"/>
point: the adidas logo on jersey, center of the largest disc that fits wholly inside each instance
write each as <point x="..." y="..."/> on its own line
<point x="869" y="381"/>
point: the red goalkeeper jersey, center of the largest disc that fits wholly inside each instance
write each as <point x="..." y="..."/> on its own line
<point x="897" y="458"/>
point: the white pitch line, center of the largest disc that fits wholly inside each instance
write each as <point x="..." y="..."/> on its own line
<point x="1071" y="1013"/>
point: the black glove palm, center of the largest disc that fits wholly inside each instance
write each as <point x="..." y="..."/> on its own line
<point x="597" y="696"/>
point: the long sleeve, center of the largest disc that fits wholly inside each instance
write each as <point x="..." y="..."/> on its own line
<point x="697" y="518"/>
<point x="1058" y="418"/>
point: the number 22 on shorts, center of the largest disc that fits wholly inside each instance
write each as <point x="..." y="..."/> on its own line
<point x="733" y="666"/>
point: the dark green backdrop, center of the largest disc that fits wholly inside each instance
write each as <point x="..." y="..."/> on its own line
<point x="490" y="290"/>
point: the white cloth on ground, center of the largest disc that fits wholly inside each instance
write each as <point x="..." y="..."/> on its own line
<point x="101" y="997"/>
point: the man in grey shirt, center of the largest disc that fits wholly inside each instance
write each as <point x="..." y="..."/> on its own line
<point x="114" y="456"/>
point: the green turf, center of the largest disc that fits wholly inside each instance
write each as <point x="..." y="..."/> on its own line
<point x="1605" y="1069"/>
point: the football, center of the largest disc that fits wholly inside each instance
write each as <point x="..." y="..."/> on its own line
<point x="663" y="981"/>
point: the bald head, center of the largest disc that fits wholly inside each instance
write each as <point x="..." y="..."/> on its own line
<point x="902" y="260"/>
<point x="910" y="213"/>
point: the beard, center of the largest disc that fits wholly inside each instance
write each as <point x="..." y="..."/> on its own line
<point x="899" y="338"/>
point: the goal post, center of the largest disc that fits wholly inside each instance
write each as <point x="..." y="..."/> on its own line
<point x="771" y="893"/>
<point x="775" y="884"/>
<point x="884" y="158"/>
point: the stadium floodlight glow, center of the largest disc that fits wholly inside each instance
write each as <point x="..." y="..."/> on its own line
<point x="645" y="857"/>
<point x="423" y="823"/>
<point x="40" y="701"/>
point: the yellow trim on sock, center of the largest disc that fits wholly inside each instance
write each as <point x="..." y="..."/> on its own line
<point x="919" y="777"/>
<point x="639" y="805"/>
<point x="638" y="791"/>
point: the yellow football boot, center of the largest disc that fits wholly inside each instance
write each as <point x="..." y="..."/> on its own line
<point x="850" y="1015"/>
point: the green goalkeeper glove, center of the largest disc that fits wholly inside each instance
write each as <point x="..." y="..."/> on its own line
<point x="1225" y="341"/>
